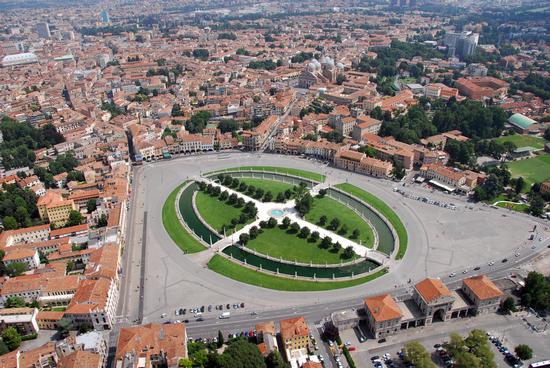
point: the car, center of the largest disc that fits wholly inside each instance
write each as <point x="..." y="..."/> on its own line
<point x="477" y="268"/>
<point x="177" y="312"/>
<point x="163" y="315"/>
<point x="210" y="308"/>
<point x="465" y="271"/>
<point x="200" y="319"/>
<point x="452" y="274"/>
<point x="321" y="358"/>
<point x="374" y="357"/>
<point x="437" y="346"/>
<point x="242" y="305"/>
<point x="183" y="310"/>
<point x="228" y="306"/>
<point x="504" y="260"/>
<point x="185" y="321"/>
<point x="352" y="348"/>
<point x="202" y="309"/>
<point x="382" y="340"/>
<point x="348" y="343"/>
<point x="253" y="313"/>
<point x="491" y="263"/>
<point x="517" y="254"/>
<point x="177" y="321"/>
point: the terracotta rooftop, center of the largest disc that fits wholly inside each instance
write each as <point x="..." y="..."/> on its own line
<point x="432" y="289"/>
<point x="293" y="327"/>
<point x="383" y="307"/>
<point x="483" y="287"/>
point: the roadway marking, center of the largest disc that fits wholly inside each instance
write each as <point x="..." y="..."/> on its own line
<point x="142" y="270"/>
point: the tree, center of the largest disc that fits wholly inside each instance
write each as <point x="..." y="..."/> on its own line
<point x="286" y="222"/>
<point x="244" y="238"/>
<point x="75" y="218"/>
<point x="536" y="206"/>
<point x="253" y="232"/>
<point x="417" y="355"/>
<point x="11" y="338"/>
<point x="10" y="223"/>
<point x="102" y="221"/>
<point x="340" y="78"/>
<point x="343" y="230"/>
<point x="314" y="236"/>
<point x="348" y="252"/>
<point x="91" y="205"/>
<point x="536" y="292"/>
<point x="14" y="302"/>
<point x="322" y="193"/>
<point x="520" y="184"/>
<point x="268" y="197"/>
<point x="303" y="204"/>
<point x="271" y="222"/>
<point x="334" y="224"/>
<point x="295" y="227"/>
<point x="508" y="306"/>
<point x="337" y="246"/>
<point x="355" y="234"/>
<point x="304" y="232"/>
<point x="220" y="339"/>
<point x="280" y="197"/>
<point x="275" y="360"/>
<point x="523" y="351"/>
<point x="326" y="242"/>
<point x="241" y="353"/>
<point x="16" y="269"/>
<point x="323" y="220"/>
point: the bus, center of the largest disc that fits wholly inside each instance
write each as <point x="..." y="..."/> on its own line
<point x="542" y="364"/>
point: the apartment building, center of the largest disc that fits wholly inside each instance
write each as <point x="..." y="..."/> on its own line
<point x="22" y="319"/>
<point x="151" y="345"/>
<point x="294" y="334"/>
<point x="94" y="304"/>
<point x="360" y="163"/>
<point x="25" y="235"/>
<point x="443" y="176"/>
<point x="254" y="139"/>
<point x="389" y="149"/>
<point x="481" y="88"/>
<point x="439" y="90"/>
<point x="28" y="256"/>
<point x="365" y="125"/>
<point x="54" y="209"/>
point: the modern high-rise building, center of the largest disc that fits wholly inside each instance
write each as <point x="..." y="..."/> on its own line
<point x="104" y="16"/>
<point x="43" y="30"/>
<point x="461" y="44"/>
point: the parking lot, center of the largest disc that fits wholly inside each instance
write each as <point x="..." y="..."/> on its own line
<point x="510" y="331"/>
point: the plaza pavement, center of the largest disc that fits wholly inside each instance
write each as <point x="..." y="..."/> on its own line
<point x="440" y="241"/>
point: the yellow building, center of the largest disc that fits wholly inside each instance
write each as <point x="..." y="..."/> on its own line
<point x="294" y="333"/>
<point x="54" y="209"/>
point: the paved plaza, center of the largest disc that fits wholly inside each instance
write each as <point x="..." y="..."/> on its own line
<point x="441" y="241"/>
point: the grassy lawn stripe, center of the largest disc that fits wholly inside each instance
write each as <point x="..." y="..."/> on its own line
<point x="284" y="170"/>
<point x="331" y="209"/>
<point x="273" y="186"/>
<point x="246" y="275"/>
<point x="277" y="243"/>
<point x="385" y="210"/>
<point x="217" y="213"/>
<point x="177" y="232"/>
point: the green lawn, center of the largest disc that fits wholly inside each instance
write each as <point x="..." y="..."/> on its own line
<point x="519" y="207"/>
<point x="285" y="170"/>
<point x="246" y="275"/>
<point x="279" y="243"/>
<point x="533" y="170"/>
<point x="175" y="229"/>
<point x="331" y="209"/>
<point x="385" y="210"/>
<point x="273" y="186"/>
<point x="523" y="141"/>
<point x="215" y="212"/>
